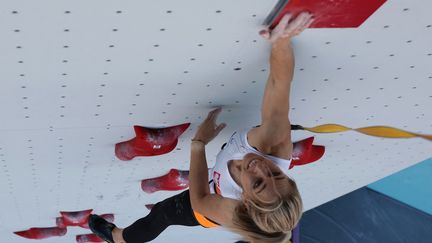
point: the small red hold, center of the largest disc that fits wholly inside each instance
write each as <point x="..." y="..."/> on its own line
<point x="149" y="206"/>
<point x="88" y="238"/>
<point x="108" y="217"/>
<point x="42" y="233"/>
<point x="150" y="142"/>
<point x="173" y="181"/>
<point x="304" y="152"/>
<point x="60" y="222"/>
<point x="75" y="218"/>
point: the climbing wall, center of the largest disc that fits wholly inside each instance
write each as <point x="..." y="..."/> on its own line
<point x="76" y="76"/>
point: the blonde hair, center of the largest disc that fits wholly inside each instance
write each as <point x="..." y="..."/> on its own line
<point x="269" y="222"/>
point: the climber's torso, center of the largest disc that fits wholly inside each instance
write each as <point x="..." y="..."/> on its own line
<point x="225" y="186"/>
<point x="282" y="150"/>
<point x="231" y="162"/>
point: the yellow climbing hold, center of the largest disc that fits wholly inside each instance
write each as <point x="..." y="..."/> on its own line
<point x="377" y="131"/>
<point x="328" y="128"/>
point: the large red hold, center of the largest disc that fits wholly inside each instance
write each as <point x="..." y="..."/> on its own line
<point x="108" y="217"/>
<point x="173" y="181"/>
<point x="88" y="238"/>
<point x="76" y="218"/>
<point x="304" y="152"/>
<point x="327" y="13"/>
<point x="150" y="142"/>
<point x="41" y="233"/>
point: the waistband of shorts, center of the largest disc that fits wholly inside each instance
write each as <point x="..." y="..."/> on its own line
<point x="203" y="221"/>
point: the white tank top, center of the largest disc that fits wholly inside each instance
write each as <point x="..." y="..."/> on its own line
<point x="237" y="147"/>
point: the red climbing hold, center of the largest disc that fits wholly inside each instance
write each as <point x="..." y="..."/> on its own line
<point x="41" y="233"/>
<point x="75" y="218"/>
<point x="149" y="206"/>
<point x="304" y="152"/>
<point x="173" y="181"/>
<point x="88" y="238"/>
<point x="108" y="217"/>
<point x="60" y="222"/>
<point x="150" y="142"/>
<point x="327" y="13"/>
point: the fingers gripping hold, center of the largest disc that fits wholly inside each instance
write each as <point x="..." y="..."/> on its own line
<point x="297" y="25"/>
<point x="283" y="24"/>
<point x="288" y="27"/>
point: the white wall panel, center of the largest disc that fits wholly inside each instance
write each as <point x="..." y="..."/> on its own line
<point x="76" y="76"/>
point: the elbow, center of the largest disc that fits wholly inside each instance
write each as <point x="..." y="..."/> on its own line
<point x="197" y="193"/>
<point x="196" y="203"/>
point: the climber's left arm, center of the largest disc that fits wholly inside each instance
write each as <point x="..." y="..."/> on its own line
<point x="213" y="206"/>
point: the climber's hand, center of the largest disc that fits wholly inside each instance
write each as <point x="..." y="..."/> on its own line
<point x="208" y="129"/>
<point x="287" y="29"/>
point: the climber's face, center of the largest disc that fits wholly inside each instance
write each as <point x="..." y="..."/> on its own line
<point x="261" y="178"/>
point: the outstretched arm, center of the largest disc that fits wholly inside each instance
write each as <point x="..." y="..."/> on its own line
<point x="275" y="125"/>
<point x="275" y="104"/>
<point x="212" y="206"/>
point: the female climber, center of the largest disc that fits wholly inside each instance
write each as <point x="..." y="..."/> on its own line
<point x="249" y="192"/>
